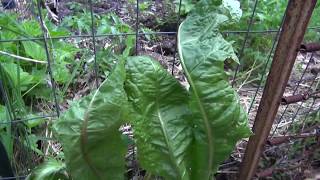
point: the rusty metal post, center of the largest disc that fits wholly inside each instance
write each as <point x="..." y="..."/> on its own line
<point x="296" y="20"/>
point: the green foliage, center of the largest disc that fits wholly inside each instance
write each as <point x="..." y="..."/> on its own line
<point x="35" y="49"/>
<point x="50" y="170"/>
<point x="179" y="133"/>
<point x="161" y="126"/>
<point x="27" y="82"/>
<point x="166" y="132"/>
<point x="258" y="45"/>
<point x="186" y="6"/>
<point x="89" y="131"/>
<point x="23" y="80"/>
<point x="112" y="24"/>
<point x="6" y="113"/>
<point x="142" y="5"/>
<point x="5" y="131"/>
<point x="80" y="23"/>
<point x="213" y="101"/>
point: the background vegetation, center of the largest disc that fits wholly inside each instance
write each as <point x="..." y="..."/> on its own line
<point x="27" y="83"/>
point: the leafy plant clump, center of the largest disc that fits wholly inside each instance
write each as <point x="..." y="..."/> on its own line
<point x="256" y="52"/>
<point x="50" y="170"/>
<point x="24" y="80"/>
<point x="180" y="133"/>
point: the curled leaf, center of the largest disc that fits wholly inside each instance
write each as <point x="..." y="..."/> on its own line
<point x="160" y="119"/>
<point x="219" y="120"/>
<point x="89" y="131"/>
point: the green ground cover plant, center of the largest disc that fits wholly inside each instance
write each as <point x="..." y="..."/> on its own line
<point x="24" y="71"/>
<point x="268" y="16"/>
<point x="180" y="133"/>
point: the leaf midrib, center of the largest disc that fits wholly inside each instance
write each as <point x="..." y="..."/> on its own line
<point x="84" y="136"/>
<point x="163" y="129"/>
<point x="200" y="104"/>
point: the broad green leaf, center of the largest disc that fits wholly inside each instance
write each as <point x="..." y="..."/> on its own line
<point x="65" y="52"/>
<point x="41" y="91"/>
<point x="104" y="28"/>
<point x="130" y="42"/>
<point x="10" y="46"/>
<point x="31" y="28"/>
<point x="50" y="170"/>
<point x="161" y="128"/>
<point x="34" y="50"/>
<point x="39" y="75"/>
<point x="219" y="119"/>
<point x="8" y="22"/>
<point x="186" y="6"/>
<point x="23" y="78"/>
<point x="34" y="122"/>
<point x="60" y="72"/>
<point x="31" y="142"/>
<point x="89" y="131"/>
<point x="55" y="30"/>
<point x="232" y="9"/>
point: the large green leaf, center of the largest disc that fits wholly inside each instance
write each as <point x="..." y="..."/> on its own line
<point x="24" y="78"/>
<point x="35" y="50"/>
<point x="161" y="128"/>
<point x="219" y="119"/>
<point x="31" y="28"/>
<point x="50" y="170"/>
<point x="89" y="131"/>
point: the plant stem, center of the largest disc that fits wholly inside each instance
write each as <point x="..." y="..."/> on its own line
<point x="22" y="58"/>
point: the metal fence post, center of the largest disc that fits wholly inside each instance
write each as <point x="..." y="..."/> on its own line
<point x="295" y="24"/>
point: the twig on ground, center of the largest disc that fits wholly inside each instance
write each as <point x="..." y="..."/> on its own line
<point x="23" y="58"/>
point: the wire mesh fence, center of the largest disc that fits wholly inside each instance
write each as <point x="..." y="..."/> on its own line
<point x="297" y="124"/>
